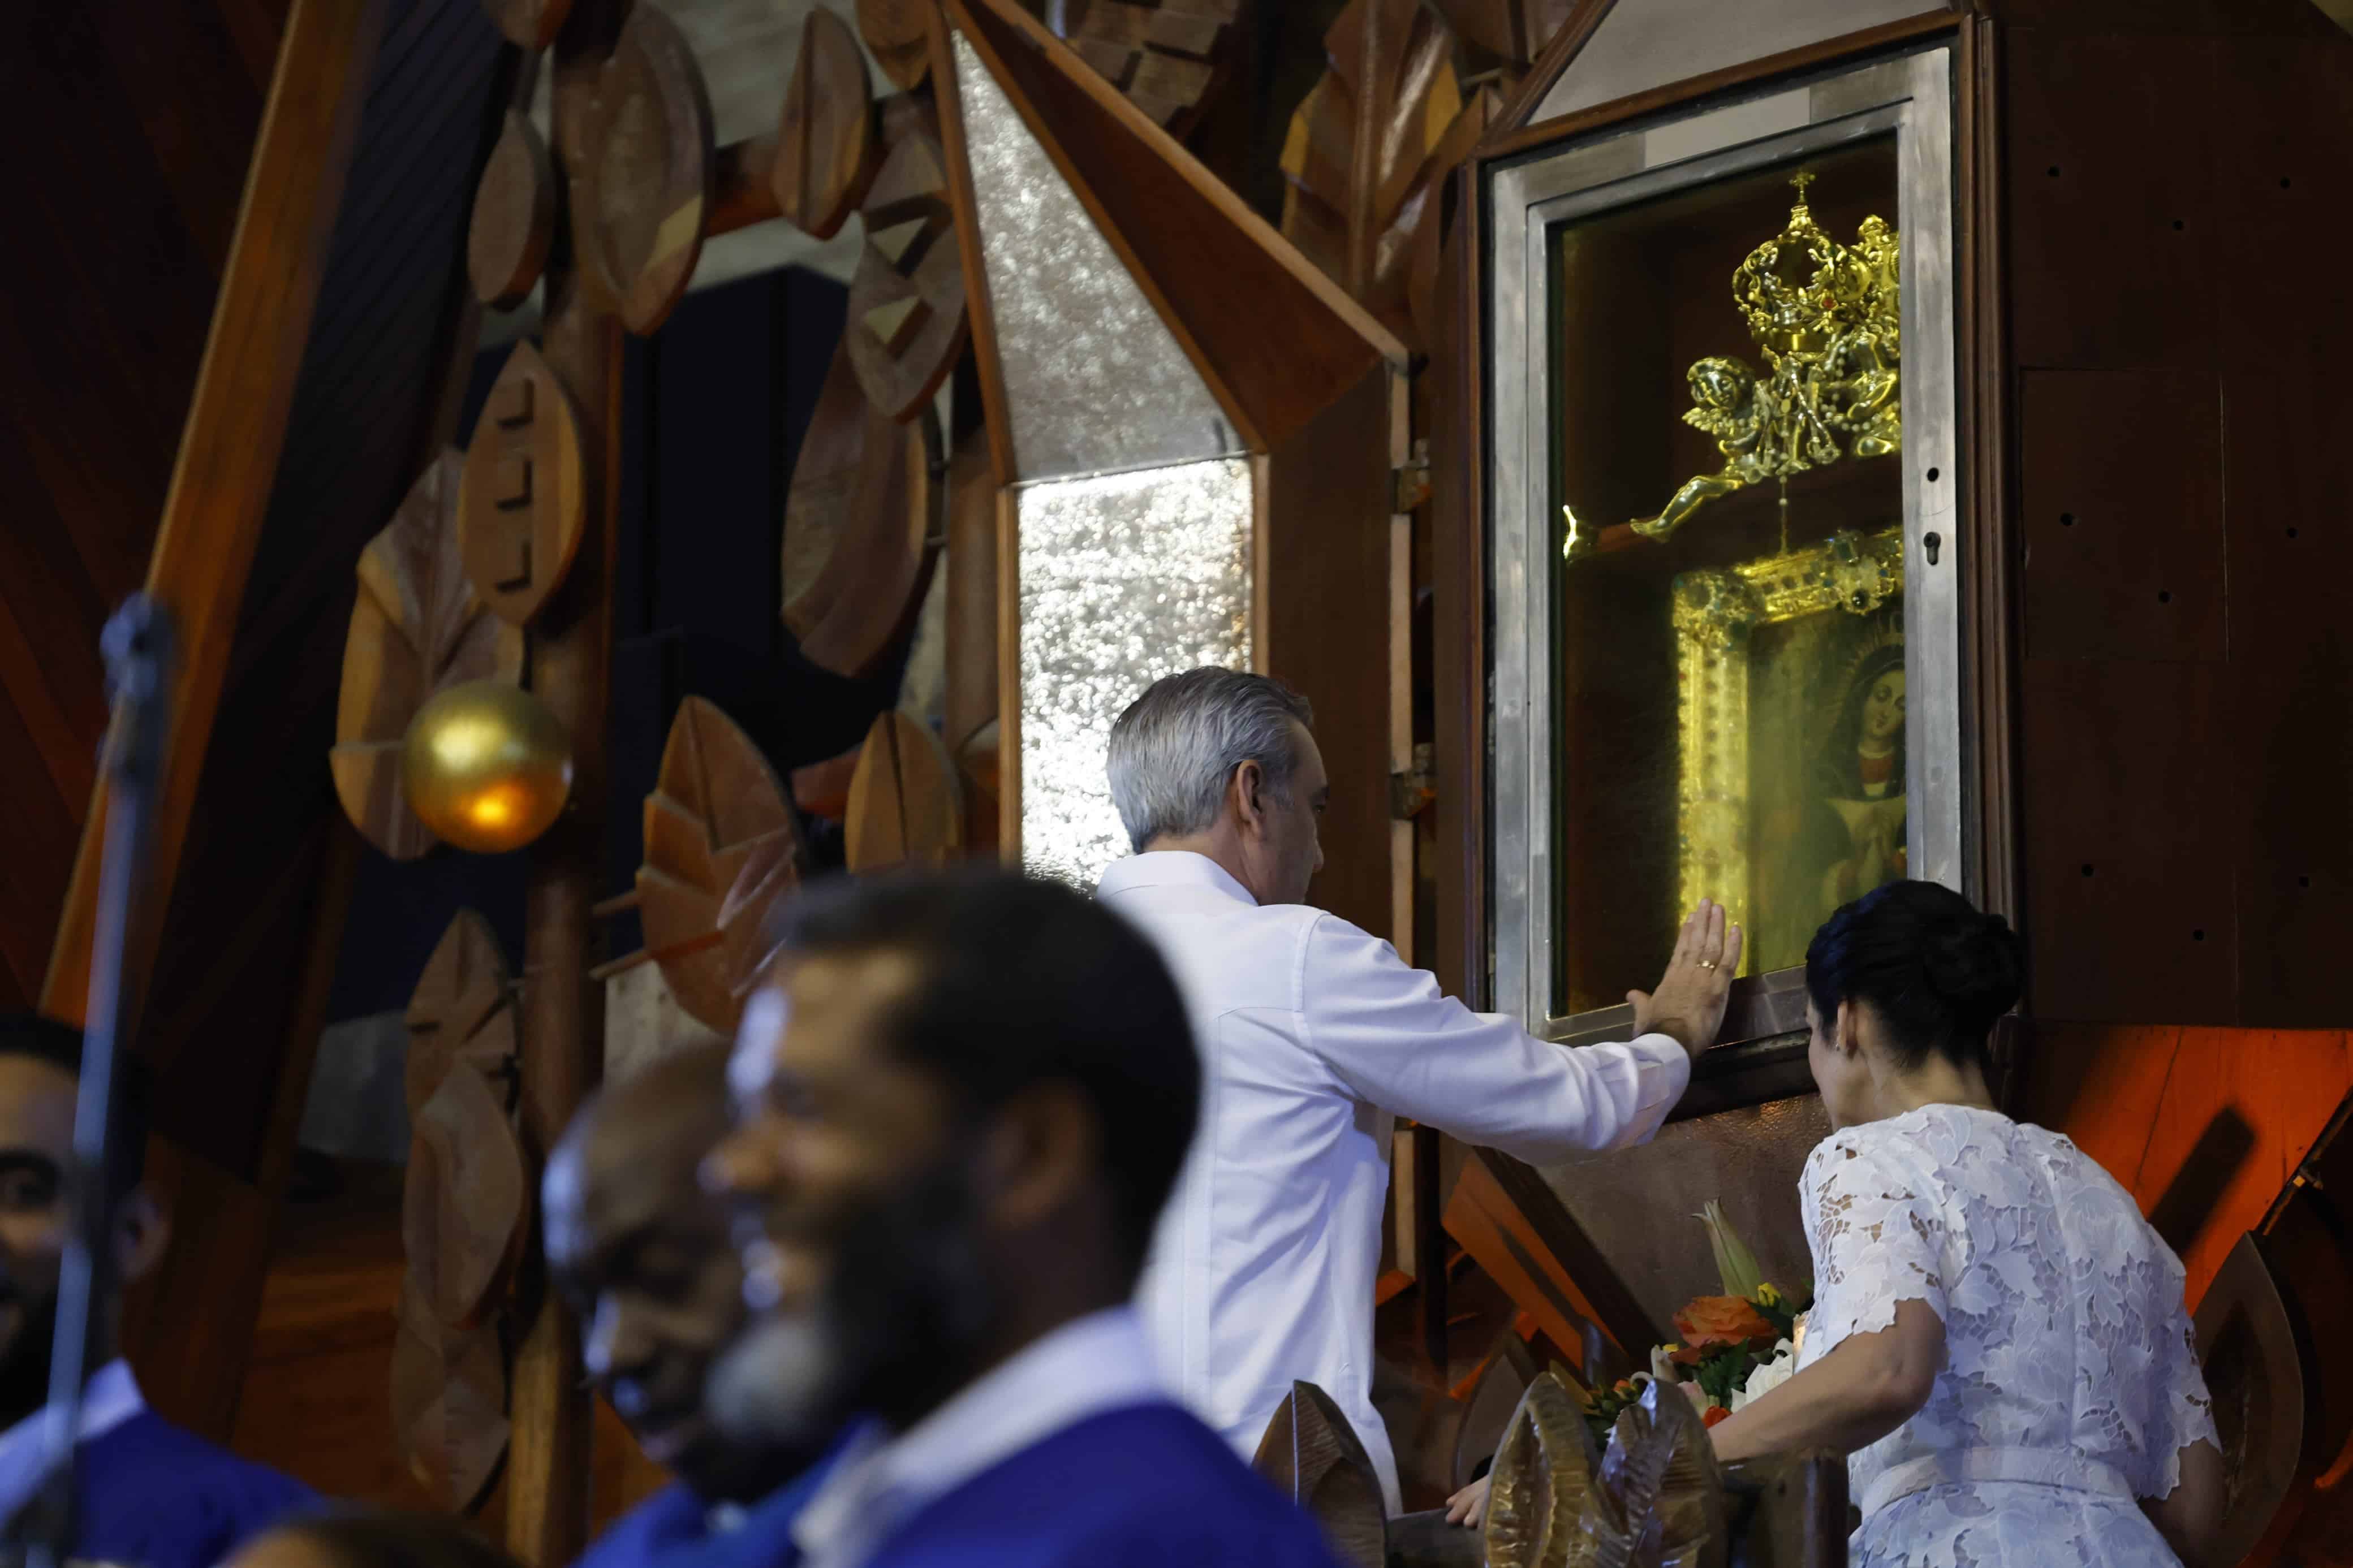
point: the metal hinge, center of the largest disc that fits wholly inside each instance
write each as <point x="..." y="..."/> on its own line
<point x="1410" y="484"/>
<point x="1410" y="793"/>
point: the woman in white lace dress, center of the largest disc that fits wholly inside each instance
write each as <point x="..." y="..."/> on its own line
<point x="1997" y="1338"/>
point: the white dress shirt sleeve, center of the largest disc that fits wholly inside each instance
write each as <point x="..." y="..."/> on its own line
<point x="1402" y="1045"/>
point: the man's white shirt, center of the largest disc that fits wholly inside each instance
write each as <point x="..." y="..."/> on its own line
<point x="1314" y="1036"/>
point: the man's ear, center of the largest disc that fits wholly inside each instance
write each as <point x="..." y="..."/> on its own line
<point x="143" y="1228"/>
<point x="1249" y="792"/>
<point x="1042" y="1150"/>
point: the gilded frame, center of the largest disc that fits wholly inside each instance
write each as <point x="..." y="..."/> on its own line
<point x="1910" y="94"/>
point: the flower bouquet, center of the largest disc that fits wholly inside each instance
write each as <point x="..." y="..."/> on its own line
<point x="1734" y="1346"/>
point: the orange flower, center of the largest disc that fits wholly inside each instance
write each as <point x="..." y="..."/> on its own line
<point x="1712" y="1321"/>
<point x="1714" y="1413"/>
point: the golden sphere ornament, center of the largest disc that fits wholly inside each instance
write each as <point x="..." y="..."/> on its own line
<point x="487" y="767"/>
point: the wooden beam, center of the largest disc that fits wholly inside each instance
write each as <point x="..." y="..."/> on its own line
<point x="235" y="430"/>
<point x="551" y="1411"/>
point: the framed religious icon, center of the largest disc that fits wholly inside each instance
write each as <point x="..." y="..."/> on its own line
<point x="1722" y="488"/>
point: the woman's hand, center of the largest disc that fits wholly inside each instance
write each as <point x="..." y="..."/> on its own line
<point x="1469" y="1506"/>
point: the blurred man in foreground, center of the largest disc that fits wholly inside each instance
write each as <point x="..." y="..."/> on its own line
<point x="642" y="1253"/>
<point x="146" y="1492"/>
<point x="960" y="1106"/>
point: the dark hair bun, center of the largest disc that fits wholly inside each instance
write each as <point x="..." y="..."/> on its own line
<point x="1937" y="971"/>
<point x="1973" y="966"/>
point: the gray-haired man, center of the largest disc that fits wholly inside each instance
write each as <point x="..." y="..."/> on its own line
<point x="1313" y="1034"/>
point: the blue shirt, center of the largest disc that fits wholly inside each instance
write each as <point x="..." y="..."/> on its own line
<point x="673" y="1527"/>
<point x="147" y="1494"/>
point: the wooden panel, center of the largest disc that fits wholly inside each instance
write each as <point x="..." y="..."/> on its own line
<point x="2240" y="1110"/>
<point x="2101" y="1085"/>
<point x="2282" y="145"/>
<point x="2287" y="17"/>
<point x="1326" y="632"/>
<point x="1503" y="1240"/>
<point x="2130" y="915"/>
<point x="2103" y="166"/>
<point x="228" y="452"/>
<point x="2122" y="490"/>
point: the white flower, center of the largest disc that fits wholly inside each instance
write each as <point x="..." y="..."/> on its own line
<point x="1767" y="1376"/>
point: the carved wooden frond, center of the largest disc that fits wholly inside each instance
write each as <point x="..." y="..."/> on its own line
<point x="449" y="1404"/>
<point x="1504" y="36"/>
<point x="1312" y="1456"/>
<point x="465" y="1200"/>
<point x="1542" y="1480"/>
<point x="718" y="812"/>
<point x="1358" y="145"/>
<point x="462" y="1010"/>
<point x="825" y="148"/>
<point x="1169" y="56"/>
<point x="641" y="187"/>
<point x="906" y="806"/>
<point x="416" y="628"/>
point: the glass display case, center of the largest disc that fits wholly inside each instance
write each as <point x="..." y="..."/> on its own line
<point x="1721" y="488"/>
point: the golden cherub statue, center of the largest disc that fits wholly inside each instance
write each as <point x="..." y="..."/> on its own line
<point x="1825" y="318"/>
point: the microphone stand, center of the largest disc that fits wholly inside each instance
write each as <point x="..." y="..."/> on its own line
<point x="138" y="645"/>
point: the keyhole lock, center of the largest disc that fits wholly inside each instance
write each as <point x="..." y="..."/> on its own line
<point x="1932" y="544"/>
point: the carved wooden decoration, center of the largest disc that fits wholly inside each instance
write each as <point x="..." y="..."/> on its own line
<point x="976" y="767"/>
<point x="905" y="805"/>
<point x="463" y="1010"/>
<point x="1313" y="1457"/>
<point x="1168" y="58"/>
<point x="897" y="33"/>
<point x="2247" y="1345"/>
<point x="513" y="222"/>
<point x="861" y="527"/>
<point x="416" y="626"/>
<point x="1507" y="34"/>
<point x="907" y="322"/>
<point x="826" y="153"/>
<point x="1358" y="180"/>
<point x="529" y="24"/>
<point x="449" y="1404"/>
<point x="1495" y="1396"/>
<point x="520" y="510"/>
<point x="464" y="1202"/>
<point x="718" y="811"/>
<point x="822" y="789"/>
<point x="642" y="192"/>
<point x="1655" y="1496"/>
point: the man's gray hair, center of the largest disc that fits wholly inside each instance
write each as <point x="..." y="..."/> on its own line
<point x="1177" y="747"/>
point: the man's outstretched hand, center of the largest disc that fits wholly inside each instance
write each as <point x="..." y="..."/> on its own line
<point x="1688" y="1006"/>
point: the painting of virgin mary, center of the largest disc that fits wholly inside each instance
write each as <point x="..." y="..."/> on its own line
<point x="1860" y="780"/>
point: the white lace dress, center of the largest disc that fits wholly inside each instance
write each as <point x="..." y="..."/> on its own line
<point x="2071" y="1380"/>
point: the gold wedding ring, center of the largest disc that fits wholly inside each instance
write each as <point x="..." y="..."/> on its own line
<point x="1707" y="964"/>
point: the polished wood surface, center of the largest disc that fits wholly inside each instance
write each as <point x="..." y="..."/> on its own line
<point x="896" y="30"/>
<point x="463" y="1010"/>
<point x="1170" y="56"/>
<point x="465" y="1205"/>
<point x="907" y="307"/>
<point x="826" y="151"/>
<point x="522" y="509"/>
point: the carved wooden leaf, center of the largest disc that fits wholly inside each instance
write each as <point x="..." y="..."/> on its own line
<point x="898" y="31"/>
<point x="524" y="500"/>
<point x="1358" y="145"/>
<point x="465" y="1200"/>
<point x="906" y="806"/>
<point x="449" y="1404"/>
<point x="1542" y="1480"/>
<point x="1169" y="57"/>
<point x="825" y="148"/>
<point x="641" y="194"/>
<point x="718" y="812"/>
<point x="513" y="221"/>
<point x="1315" y="1457"/>
<point x="1659" y="1500"/>
<point x="462" y="1010"/>
<point x="416" y="628"/>
<point x="907" y="317"/>
<point x="1511" y="34"/>
<point x="861" y="527"/>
